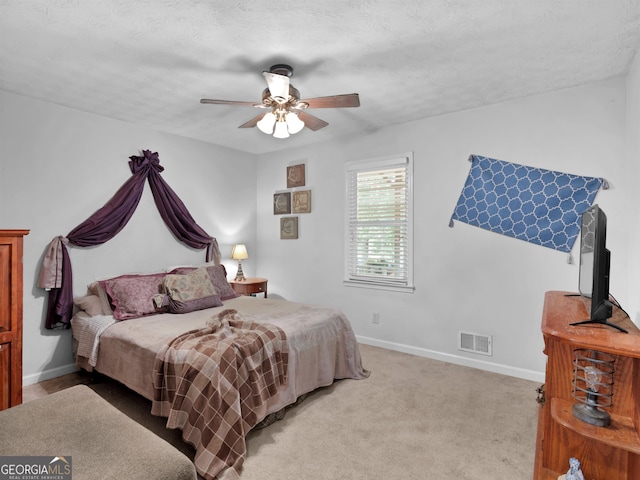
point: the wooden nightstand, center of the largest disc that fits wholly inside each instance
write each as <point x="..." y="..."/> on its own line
<point x="250" y="286"/>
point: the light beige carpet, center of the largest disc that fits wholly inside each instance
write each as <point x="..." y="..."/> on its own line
<point x="413" y="418"/>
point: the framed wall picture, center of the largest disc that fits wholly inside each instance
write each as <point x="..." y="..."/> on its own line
<point x="295" y="176"/>
<point x="301" y="201"/>
<point x="281" y="203"/>
<point x="288" y="228"/>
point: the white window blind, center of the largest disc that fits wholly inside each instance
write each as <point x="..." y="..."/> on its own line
<point x="379" y="233"/>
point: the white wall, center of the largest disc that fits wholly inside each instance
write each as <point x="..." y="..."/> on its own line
<point x="466" y="278"/>
<point x="58" y="166"/>
<point x="633" y="158"/>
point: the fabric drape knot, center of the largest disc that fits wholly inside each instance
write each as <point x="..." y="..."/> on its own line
<point x="148" y="160"/>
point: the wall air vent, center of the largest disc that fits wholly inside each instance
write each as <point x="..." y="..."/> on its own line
<point x="475" y="343"/>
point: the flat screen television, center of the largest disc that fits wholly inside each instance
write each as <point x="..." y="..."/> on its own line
<point x="595" y="259"/>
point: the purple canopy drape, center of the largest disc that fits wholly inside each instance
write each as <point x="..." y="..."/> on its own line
<point x="107" y="222"/>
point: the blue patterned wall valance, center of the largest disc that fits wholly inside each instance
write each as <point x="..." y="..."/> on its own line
<point x="533" y="204"/>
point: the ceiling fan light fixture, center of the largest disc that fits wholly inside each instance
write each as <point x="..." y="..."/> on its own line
<point x="287" y="116"/>
<point x="281" y="130"/>
<point x="267" y="123"/>
<point x="294" y="123"/>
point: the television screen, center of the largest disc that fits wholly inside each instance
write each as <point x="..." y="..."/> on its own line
<point x="587" y="247"/>
<point x="595" y="258"/>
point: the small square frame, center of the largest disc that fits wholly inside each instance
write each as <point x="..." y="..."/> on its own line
<point x="282" y="203"/>
<point x="301" y="201"/>
<point x="289" y="228"/>
<point x="296" y="175"/>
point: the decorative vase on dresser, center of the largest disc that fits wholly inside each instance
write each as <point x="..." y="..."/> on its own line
<point x="11" y="317"/>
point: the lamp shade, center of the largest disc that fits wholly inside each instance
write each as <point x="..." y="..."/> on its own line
<point x="239" y="252"/>
<point x="265" y="125"/>
<point x="294" y="123"/>
<point x="280" y="123"/>
<point x="281" y="130"/>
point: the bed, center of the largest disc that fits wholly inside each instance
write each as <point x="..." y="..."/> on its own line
<point x="180" y="359"/>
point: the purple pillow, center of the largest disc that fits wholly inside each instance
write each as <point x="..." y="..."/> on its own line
<point x="218" y="276"/>
<point x="178" y="306"/>
<point x="132" y="295"/>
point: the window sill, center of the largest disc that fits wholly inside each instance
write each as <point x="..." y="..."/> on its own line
<point x="379" y="286"/>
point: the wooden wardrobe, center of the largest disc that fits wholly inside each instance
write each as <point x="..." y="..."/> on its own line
<point x="11" y="317"/>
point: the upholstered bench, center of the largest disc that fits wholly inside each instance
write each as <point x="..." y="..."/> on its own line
<point x="101" y="441"/>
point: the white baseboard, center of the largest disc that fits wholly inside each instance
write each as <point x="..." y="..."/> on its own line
<point x="48" y="374"/>
<point x="456" y="359"/>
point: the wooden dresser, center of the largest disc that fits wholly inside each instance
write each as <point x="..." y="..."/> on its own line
<point x="606" y="453"/>
<point x="11" y="317"/>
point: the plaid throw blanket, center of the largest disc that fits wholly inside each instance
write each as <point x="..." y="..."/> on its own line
<point x="213" y="384"/>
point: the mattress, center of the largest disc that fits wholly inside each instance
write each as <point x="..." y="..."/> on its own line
<point x="322" y="345"/>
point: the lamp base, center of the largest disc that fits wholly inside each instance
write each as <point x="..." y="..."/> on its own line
<point x="592" y="415"/>
<point x="240" y="274"/>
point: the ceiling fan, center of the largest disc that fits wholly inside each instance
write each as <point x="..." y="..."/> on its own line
<point x="286" y="112"/>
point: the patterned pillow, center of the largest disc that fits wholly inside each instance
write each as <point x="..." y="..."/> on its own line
<point x="188" y="292"/>
<point x="218" y="277"/>
<point x="132" y="295"/>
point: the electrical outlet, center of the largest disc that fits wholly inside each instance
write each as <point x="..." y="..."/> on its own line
<point x="375" y="318"/>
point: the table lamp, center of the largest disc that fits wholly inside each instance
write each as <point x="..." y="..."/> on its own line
<point x="239" y="252"/>
<point x="593" y="386"/>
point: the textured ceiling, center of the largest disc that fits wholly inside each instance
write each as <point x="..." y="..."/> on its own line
<point x="151" y="61"/>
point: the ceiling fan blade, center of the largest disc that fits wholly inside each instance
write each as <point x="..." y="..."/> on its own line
<point x="252" y="123"/>
<point x="311" y="122"/>
<point x="278" y="86"/>
<point x="334" y="101"/>
<point x="231" y="102"/>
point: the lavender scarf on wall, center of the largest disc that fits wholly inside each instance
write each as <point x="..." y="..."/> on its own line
<point x="107" y="222"/>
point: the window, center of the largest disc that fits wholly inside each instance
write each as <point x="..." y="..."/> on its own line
<point x="379" y="244"/>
